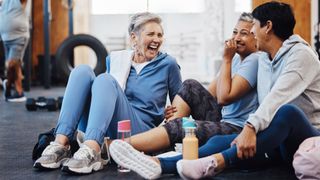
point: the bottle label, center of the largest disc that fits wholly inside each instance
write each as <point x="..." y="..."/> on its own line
<point x="190" y="148"/>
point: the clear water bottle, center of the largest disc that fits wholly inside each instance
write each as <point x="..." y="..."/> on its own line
<point x="124" y="133"/>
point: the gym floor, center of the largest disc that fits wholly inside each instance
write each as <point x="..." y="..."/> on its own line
<point x="19" y="130"/>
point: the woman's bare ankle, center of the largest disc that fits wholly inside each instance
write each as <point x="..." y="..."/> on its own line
<point x="154" y="158"/>
<point x="221" y="165"/>
<point x="62" y="139"/>
<point x="93" y="145"/>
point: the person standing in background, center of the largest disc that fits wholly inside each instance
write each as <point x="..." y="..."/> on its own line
<point x="14" y="31"/>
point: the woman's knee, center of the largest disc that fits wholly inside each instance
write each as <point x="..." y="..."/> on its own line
<point x="220" y="142"/>
<point x="187" y="84"/>
<point x="220" y="138"/>
<point x="288" y="113"/>
<point x="82" y="72"/>
<point x="105" y="80"/>
<point x="174" y="131"/>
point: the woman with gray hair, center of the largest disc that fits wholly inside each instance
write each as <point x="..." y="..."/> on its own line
<point x="135" y="87"/>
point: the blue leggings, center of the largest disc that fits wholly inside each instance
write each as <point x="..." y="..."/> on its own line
<point x="286" y="132"/>
<point x="95" y="105"/>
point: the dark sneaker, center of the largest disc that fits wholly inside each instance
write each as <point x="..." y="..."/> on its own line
<point x="16" y="97"/>
<point x="53" y="156"/>
<point x="84" y="161"/>
<point x="6" y="91"/>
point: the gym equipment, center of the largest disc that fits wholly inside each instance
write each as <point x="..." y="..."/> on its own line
<point x="66" y="48"/>
<point x="50" y="104"/>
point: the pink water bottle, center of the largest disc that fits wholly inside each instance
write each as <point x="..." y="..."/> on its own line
<point x="124" y="133"/>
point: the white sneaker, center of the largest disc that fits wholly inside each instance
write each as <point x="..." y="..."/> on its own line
<point x="197" y="169"/>
<point x="105" y="155"/>
<point x="126" y="156"/>
<point x="53" y="156"/>
<point x="84" y="161"/>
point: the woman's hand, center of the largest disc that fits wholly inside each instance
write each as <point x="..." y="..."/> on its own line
<point x="230" y="48"/>
<point x="169" y="112"/>
<point x="246" y="143"/>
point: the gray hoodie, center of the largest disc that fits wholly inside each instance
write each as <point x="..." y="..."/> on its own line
<point x="293" y="76"/>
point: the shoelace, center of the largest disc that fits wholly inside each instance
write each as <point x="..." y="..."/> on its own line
<point x="83" y="152"/>
<point x="52" y="148"/>
<point x="104" y="147"/>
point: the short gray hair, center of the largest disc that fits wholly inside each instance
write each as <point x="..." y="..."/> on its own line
<point x="246" y="17"/>
<point x="139" y="19"/>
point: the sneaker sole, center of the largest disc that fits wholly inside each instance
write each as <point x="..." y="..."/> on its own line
<point x="126" y="156"/>
<point x="84" y="170"/>
<point x="22" y="99"/>
<point x="56" y="165"/>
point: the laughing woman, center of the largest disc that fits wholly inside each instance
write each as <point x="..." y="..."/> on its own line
<point x="135" y="88"/>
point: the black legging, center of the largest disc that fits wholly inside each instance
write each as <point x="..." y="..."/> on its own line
<point x="202" y="104"/>
<point x="206" y="111"/>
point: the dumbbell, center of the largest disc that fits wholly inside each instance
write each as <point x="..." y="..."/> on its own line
<point x="41" y="103"/>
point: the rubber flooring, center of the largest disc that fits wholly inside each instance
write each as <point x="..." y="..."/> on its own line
<point x="19" y="130"/>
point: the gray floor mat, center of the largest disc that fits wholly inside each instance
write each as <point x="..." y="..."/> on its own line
<point x="18" y="134"/>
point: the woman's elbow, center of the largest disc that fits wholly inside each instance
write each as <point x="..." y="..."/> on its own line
<point x="223" y="101"/>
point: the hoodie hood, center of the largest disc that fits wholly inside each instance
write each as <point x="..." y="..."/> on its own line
<point x="287" y="45"/>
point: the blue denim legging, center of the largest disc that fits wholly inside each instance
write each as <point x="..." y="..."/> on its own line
<point x="288" y="129"/>
<point x="95" y="105"/>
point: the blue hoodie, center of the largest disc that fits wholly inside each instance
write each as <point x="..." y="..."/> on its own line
<point x="147" y="91"/>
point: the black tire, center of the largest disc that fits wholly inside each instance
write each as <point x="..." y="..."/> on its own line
<point x="66" y="48"/>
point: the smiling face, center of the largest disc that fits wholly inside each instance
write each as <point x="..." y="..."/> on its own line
<point x="259" y="34"/>
<point x="147" y="41"/>
<point x="246" y="43"/>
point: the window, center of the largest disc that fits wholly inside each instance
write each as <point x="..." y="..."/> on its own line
<point x="99" y="7"/>
<point x="243" y="6"/>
